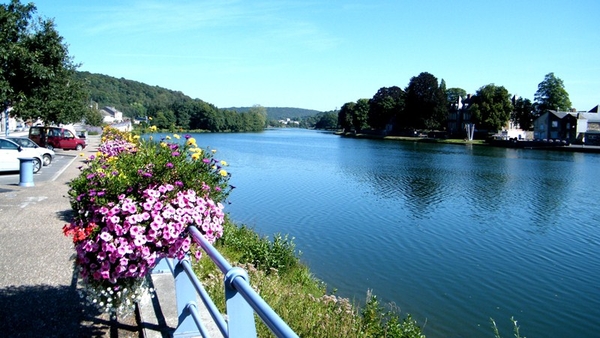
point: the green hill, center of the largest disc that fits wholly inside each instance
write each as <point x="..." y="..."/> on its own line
<point x="133" y="97"/>
<point x="282" y="113"/>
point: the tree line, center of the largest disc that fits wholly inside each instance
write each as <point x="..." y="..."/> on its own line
<point x="426" y="104"/>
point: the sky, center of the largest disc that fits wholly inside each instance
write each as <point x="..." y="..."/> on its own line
<point x="322" y="54"/>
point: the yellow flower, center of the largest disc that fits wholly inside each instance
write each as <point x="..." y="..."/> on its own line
<point x="223" y="163"/>
<point x="176" y="136"/>
<point x="191" y="141"/>
<point x="136" y="137"/>
<point x="81" y="154"/>
<point x="168" y="137"/>
<point x="152" y="128"/>
<point x="214" y="151"/>
<point x="150" y="118"/>
<point x="195" y="156"/>
<point x="223" y="172"/>
<point x="162" y="144"/>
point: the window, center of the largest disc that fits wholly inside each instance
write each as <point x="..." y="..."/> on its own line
<point x="7" y="145"/>
<point x="554" y="124"/>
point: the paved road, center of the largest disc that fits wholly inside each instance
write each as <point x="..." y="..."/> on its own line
<point x="48" y="173"/>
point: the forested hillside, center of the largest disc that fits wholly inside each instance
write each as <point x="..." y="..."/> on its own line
<point x="281" y="113"/>
<point x="173" y="109"/>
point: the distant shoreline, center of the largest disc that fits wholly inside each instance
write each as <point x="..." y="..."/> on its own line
<point x="531" y="145"/>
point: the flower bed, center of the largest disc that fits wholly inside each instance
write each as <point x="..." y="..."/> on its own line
<point x="133" y="203"/>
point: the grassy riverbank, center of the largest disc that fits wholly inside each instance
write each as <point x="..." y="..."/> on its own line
<point x="295" y="294"/>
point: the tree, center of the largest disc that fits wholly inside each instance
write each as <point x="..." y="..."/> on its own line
<point x="360" y="114"/>
<point x="452" y="95"/>
<point x="426" y="103"/>
<point x="523" y="113"/>
<point x="345" y="116"/>
<point x="551" y="95"/>
<point x="327" y="120"/>
<point x="386" y="104"/>
<point x="491" y="107"/>
<point x="37" y="77"/>
<point x="93" y="117"/>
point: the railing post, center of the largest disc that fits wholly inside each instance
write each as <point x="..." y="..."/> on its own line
<point x="239" y="313"/>
<point x="185" y="294"/>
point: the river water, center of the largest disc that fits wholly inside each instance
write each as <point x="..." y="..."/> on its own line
<point x="451" y="234"/>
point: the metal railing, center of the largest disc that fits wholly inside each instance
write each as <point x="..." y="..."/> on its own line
<point x="241" y="300"/>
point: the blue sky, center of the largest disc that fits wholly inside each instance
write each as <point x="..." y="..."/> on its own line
<point x="322" y="54"/>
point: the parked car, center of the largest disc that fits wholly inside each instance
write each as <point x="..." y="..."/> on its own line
<point x="47" y="154"/>
<point x="10" y="153"/>
<point x="56" y="137"/>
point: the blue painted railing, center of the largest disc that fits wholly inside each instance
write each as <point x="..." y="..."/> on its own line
<point x="241" y="300"/>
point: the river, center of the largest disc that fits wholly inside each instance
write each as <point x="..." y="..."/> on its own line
<point x="452" y="234"/>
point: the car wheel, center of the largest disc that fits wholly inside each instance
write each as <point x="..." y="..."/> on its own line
<point x="47" y="159"/>
<point x="37" y="165"/>
<point x="79" y="147"/>
<point x="49" y="146"/>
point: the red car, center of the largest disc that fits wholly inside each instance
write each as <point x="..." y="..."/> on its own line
<point x="56" y="137"/>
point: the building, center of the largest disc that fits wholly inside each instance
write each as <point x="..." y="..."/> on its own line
<point x="111" y="115"/>
<point x="573" y="127"/>
<point x="459" y="117"/>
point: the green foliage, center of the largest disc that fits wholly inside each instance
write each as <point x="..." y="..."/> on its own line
<point x="491" y="107"/>
<point x="385" y="105"/>
<point x="280" y="113"/>
<point x="452" y="95"/>
<point x="326" y="120"/>
<point x="523" y="113"/>
<point x="551" y="95"/>
<point x="426" y="104"/>
<point x="259" y="251"/>
<point x="345" y="116"/>
<point x="93" y="117"/>
<point x="377" y="322"/>
<point x="170" y="110"/>
<point x="37" y="76"/>
<point x="360" y="113"/>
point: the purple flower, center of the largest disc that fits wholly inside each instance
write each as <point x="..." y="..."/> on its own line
<point x="169" y="165"/>
<point x="175" y="153"/>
